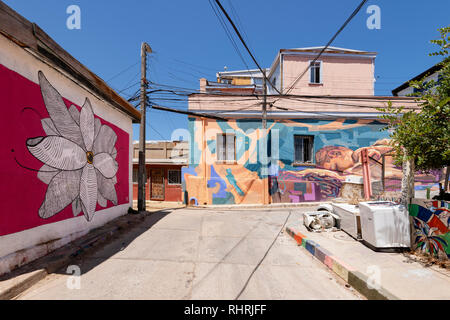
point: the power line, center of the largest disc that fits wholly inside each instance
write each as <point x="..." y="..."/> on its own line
<point x="123" y="71"/>
<point x="228" y="33"/>
<point x="245" y="45"/>
<point x="329" y="42"/>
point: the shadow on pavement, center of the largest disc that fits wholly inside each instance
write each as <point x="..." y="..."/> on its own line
<point x="109" y="239"/>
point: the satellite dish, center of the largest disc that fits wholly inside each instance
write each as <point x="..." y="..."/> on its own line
<point x="225" y="68"/>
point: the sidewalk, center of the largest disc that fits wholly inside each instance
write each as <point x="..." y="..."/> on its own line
<point x="22" y="278"/>
<point x="377" y="275"/>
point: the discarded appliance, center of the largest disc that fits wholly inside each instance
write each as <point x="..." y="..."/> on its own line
<point x="349" y="218"/>
<point x="385" y="224"/>
<point x="319" y="221"/>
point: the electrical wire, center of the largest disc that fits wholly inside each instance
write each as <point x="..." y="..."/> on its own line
<point x="228" y="33"/>
<point x="245" y="45"/>
<point x="121" y="72"/>
<point x="354" y="13"/>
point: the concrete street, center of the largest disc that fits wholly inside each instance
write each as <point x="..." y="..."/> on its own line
<point x="199" y="254"/>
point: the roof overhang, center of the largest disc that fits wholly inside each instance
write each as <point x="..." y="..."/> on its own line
<point x="429" y="71"/>
<point x="31" y="37"/>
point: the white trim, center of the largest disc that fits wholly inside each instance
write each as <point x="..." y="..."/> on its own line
<point x="320" y="72"/>
<point x="340" y="55"/>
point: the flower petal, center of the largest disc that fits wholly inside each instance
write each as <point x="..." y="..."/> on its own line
<point x="62" y="190"/>
<point x="58" y="112"/>
<point x="57" y="152"/>
<point x="49" y="127"/>
<point x="97" y="126"/>
<point x="105" y="141"/>
<point x="106" y="188"/>
<point x="88" y="191"/>
<point x="114" y="153"/>
<point x="47" y="173"/>
<point x="87" y="125"/>
<point x="76" y="207"/>
<point x="75" y="114"/>
<point x="104" y="163"/>
<point x="101" y="200"/>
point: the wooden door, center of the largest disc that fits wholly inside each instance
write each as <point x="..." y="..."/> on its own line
<point x="157" y="184"/>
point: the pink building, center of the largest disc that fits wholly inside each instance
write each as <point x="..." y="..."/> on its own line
<point x="66" y="151"/>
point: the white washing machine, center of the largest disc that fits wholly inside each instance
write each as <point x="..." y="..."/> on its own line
<point x="384" y="224"/>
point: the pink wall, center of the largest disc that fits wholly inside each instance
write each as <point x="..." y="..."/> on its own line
<point x="22" y="193"/>
<point x="340" y="75"/>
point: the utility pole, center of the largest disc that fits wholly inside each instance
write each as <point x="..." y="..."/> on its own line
<point x="266" y="140"/>
<point x="264" y="105"/>
<point x="145" y="48"/>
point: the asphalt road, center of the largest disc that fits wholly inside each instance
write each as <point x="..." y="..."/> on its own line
<point x="198" y="254"/>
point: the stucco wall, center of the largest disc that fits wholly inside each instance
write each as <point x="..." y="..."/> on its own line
<point x="337" y="145"/>
<point x="340" y="75"/>
<point x="23" y="221"/>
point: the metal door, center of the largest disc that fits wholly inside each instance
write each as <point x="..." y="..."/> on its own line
<point x="157" y="184"/>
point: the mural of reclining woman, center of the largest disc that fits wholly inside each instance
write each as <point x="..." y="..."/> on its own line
<point x="335" y="158"/>
<point x="348" y="162"/>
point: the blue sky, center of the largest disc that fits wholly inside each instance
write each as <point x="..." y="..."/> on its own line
<point x="189" y="42"/>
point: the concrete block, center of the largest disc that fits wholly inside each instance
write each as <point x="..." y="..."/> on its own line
<point x="321" y="253"/>
<point x="311" y="246"/>
<point x="359" y="281"/>
<point x="340" y="269"/>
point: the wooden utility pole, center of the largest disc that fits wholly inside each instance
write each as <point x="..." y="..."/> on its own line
<point x="266" y="140"/>
<point x="145" y="48"/>
<point x="264" y="105"/>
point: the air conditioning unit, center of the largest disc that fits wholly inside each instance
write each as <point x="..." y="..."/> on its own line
<point x="318" y="221"/>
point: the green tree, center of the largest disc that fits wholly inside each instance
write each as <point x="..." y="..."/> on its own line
<point x="424" y="135"/>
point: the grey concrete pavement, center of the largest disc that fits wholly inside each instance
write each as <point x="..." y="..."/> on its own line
<point x="199" y="254"/>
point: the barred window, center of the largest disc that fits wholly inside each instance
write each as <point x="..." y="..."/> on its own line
<point x="174" y="177"/>
<point x="303" y="149"/>
<point x="226" y="147"/>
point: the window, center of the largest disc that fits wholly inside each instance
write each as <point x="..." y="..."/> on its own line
<point x="303" y="149"/>
<point x="174" y="176"/>
<point x="225" y="147"/>
<point x="314" y="70"/>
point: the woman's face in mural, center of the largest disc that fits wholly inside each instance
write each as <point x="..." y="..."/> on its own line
<point x="334" y="158"/>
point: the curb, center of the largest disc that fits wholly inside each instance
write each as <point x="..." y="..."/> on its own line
<point x="354" y="278"/>
<point x="259" y="206"/>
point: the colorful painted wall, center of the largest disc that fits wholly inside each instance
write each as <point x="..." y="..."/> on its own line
<point x="65" y="164"/>
<point x="337" y="145"/>
<point x="431" y="225"/>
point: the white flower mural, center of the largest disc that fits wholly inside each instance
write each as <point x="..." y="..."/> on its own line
<point x="78" y="154"/>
